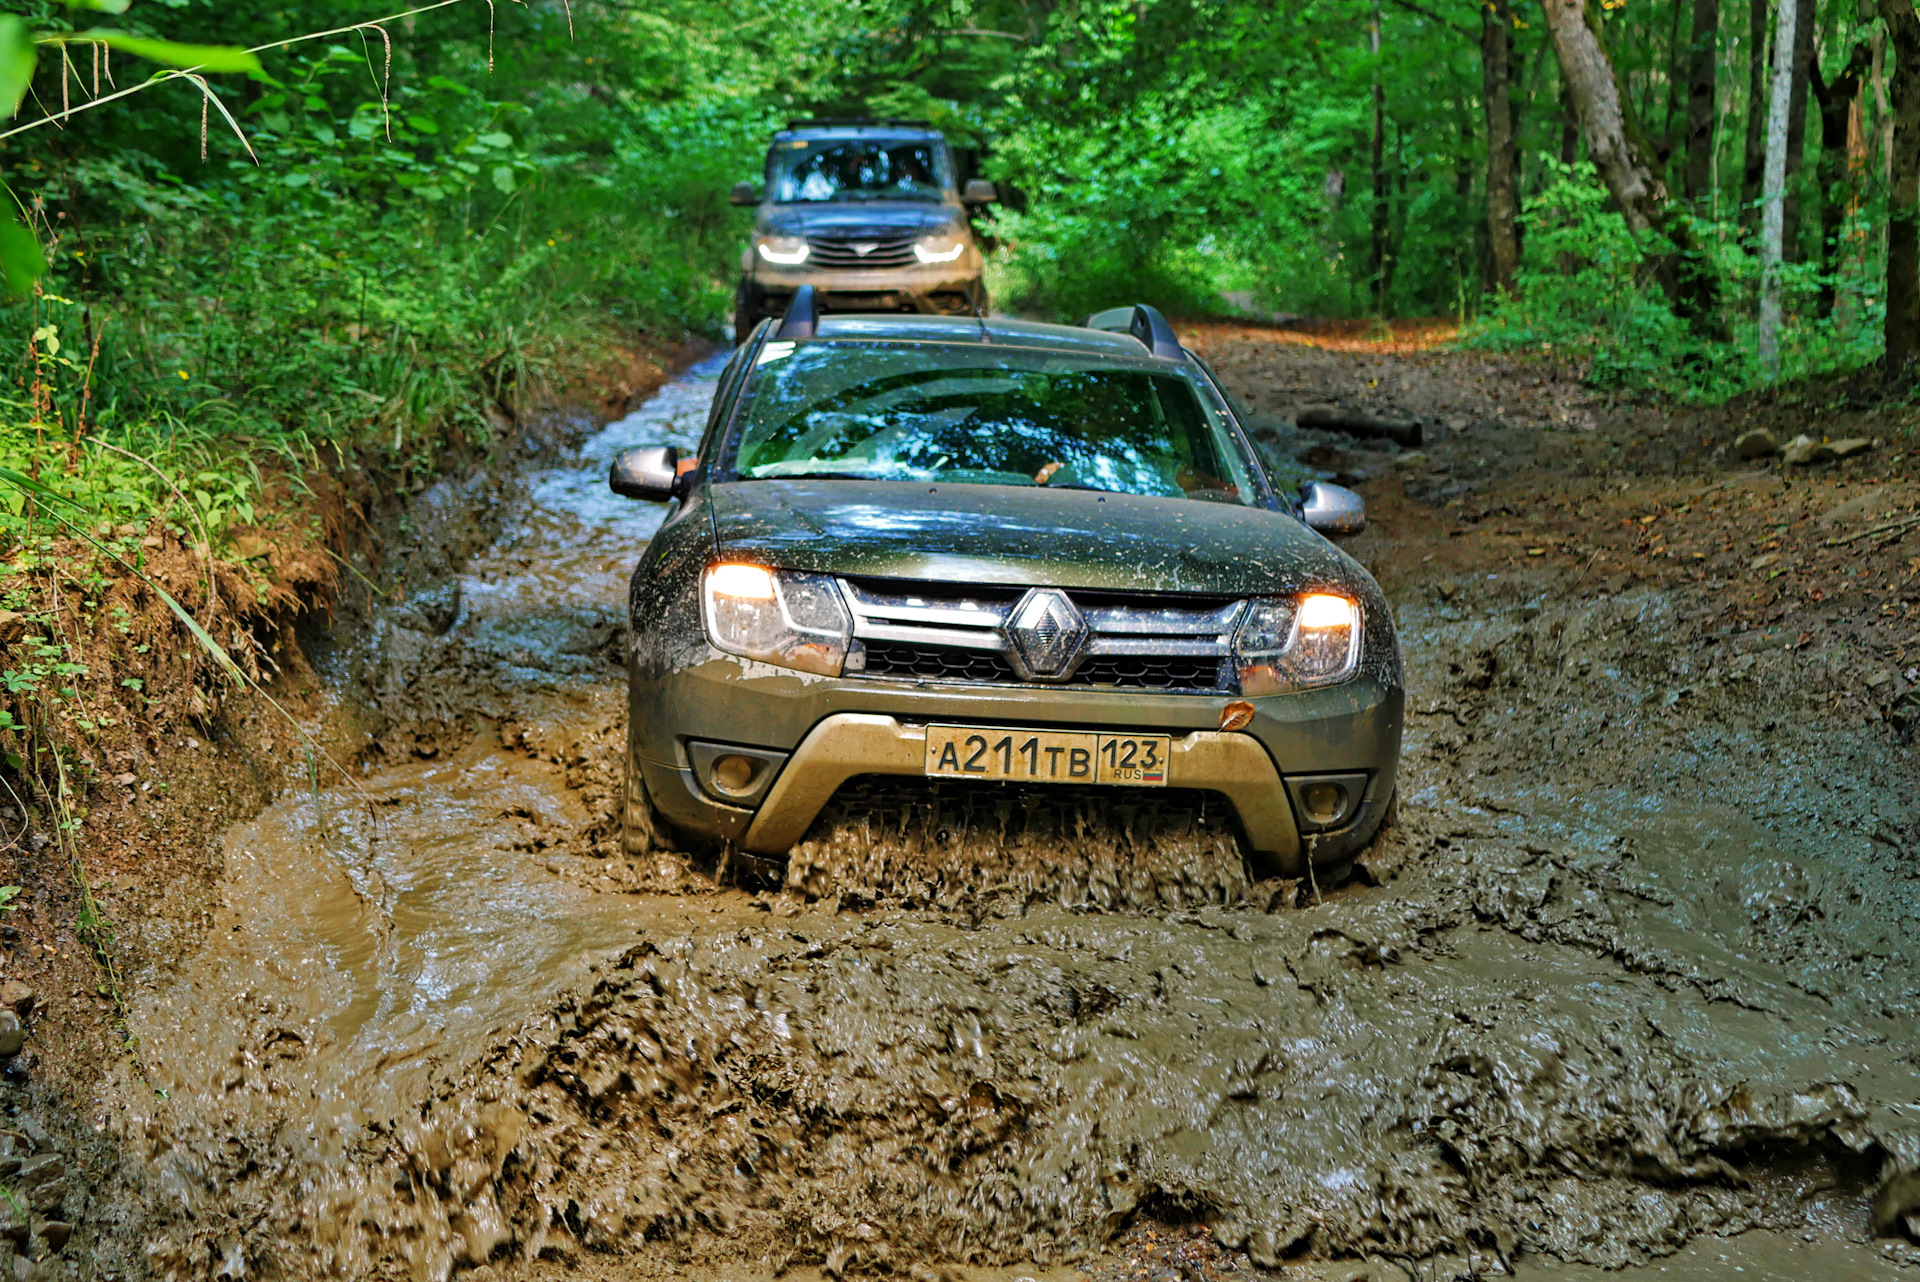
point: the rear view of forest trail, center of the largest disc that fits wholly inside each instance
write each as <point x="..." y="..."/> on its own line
<point x="1635" y="967"/>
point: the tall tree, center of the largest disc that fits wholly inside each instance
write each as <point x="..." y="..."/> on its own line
<point x="1838" y="188"/>
<point x="1503" y="199"/>
<point x="1626" y="162"/>
<point x="1903" y="231"/>
<point x="1698" y="139"/>
<point x="1805" y="26"/>
<point x="1756" y="152"/>
<point x="1773" y="188"/>
<point x="1381" y="229"/>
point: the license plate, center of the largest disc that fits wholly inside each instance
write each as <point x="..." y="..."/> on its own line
<point x="1047" y="756"/>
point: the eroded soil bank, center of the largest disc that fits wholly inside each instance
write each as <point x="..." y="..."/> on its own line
<point x="1635" y="970"/>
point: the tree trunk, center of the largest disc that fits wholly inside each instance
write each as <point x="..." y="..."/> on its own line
<point x="1805" y="25"/>
<point x="1756" y="155"/>
<point x="1569" y="125"/>
<point x="1700" y="99"/>
<point x="1621" y="154"/>
<point x="1382" y="248"/>
<point x="1503" y="204"/>
<point x="1838" y="102"/>
<point x="1903" y="233"/>
<point x="1773" y="188"/>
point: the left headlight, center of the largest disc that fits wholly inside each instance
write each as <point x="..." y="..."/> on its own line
<point x="777" y="616"/>
<point x="787" y="251"/>
<point x="941" y="248"/>
<point x="1296" y="643"/>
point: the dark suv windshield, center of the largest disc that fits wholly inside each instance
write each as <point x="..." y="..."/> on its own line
<point x="818" y="169"/>
<point x="907" y="412"/>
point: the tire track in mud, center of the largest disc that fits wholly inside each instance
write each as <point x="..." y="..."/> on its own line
<point x="1633" y="970"/>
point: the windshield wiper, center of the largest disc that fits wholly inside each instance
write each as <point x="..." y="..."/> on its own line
<point x="830" y="476"/>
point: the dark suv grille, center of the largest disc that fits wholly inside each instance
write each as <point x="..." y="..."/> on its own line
<point x="936" y="663"/>
<point x="844" y="251"/>
<point x="946" y="632"/>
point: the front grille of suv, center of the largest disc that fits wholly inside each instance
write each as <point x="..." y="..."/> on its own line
<point x="938" y="632"/>
<point x="841" y="251"/>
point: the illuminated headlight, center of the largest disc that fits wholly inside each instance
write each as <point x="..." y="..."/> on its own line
<point x="776" y="616"/>
<point x="1295" y="643"/>
<point x="943" y="248"/>
<point x="787" y="251"/>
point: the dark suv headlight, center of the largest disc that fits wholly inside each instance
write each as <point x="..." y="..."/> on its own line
<point x="1296" y="643"/>
<point x="777" y="616"/>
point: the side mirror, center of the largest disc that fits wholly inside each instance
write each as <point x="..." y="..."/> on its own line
<point x="743" y="194"/>
<point x="979" y="192"/>
<point x="649" y="472"/>
<point x="1332" y="509"/>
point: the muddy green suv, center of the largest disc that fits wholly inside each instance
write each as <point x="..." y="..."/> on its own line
<point x="868" y="212"/>
<point x="996" y="555"/>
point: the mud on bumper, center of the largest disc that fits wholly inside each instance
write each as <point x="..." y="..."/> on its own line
<point x="795" y="787"/>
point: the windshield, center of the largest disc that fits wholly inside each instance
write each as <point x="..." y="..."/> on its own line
<point x="820" y="169"/>
<point x="991" y="416"/>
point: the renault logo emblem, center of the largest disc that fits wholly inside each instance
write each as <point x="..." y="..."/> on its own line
<point x="1045" y="634"/>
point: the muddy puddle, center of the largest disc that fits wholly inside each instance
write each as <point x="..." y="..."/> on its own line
<point x="1629" y="977"/>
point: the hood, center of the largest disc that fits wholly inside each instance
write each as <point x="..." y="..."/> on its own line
<point x="877" y="219"/>
<point x="1019" y="536"/>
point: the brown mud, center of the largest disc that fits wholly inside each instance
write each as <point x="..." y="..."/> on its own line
<point x="1634" y="972"/>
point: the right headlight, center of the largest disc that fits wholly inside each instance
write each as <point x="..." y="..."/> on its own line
<point x="777" y="616"/>
<point x="787" y="251"/>
<point x="1296" y="643"/>
<point x="941" y="248"/>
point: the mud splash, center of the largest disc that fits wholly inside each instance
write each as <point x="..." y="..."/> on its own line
<point x="961" y="849"/>
<point x="1665" y="995"/>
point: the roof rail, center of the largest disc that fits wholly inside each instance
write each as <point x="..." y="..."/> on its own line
<point x="858" y="122"/>
<point x="803" y="315"/>
<point x="1144" y="323"/>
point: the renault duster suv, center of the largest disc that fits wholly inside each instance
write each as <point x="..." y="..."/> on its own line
<point x="996" y="555"/>
<point x="867" y="212"/>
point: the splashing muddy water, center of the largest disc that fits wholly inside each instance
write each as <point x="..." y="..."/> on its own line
<point x="1618" y="983"/>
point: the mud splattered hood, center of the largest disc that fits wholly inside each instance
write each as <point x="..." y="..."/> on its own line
<point x="1012" y="535"/>
<point x="879" y="219"/>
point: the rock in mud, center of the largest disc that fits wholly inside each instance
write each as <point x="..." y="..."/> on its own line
<point x="13" y="1037"/>
<point x="18" y="997"/>
<point x="1827" y="451"/>
<point x="43" y="1182"/>
<point x="1896" y="1206"/>
<point x="54" y="1233"/>
<point x="1758" y="443"/>
<point x="1798" y="451"/>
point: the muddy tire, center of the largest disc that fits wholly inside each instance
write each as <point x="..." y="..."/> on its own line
<point x="643" y="829"/>
<point x="743" y="318"/>
<point x="1327" y="876"/>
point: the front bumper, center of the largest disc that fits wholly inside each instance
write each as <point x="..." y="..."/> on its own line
<point x="831" y="729"/>
<point x="936" y="288"/>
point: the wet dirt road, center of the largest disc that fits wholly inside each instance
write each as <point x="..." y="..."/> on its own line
<point x="1637" y="971"/>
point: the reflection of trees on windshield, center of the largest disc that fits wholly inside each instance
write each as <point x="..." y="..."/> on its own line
<point x="1128" y="431"/>
<point x="860" y="170"/>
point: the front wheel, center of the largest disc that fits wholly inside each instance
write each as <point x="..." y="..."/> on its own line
<point x="643" y="830"/>
<point x="1327" y="876"/>
<point x="743" y="318"/>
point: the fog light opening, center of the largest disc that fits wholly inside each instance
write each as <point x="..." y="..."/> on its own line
<point x="1324" y="802"/>
<point x="735" y="774"/>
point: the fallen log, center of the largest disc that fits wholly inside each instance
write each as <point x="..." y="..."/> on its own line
<point x="1332" y="418"/>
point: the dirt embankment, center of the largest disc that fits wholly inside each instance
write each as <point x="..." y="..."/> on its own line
<point x="160" y="750"/>
<point x="1636" y="965"/>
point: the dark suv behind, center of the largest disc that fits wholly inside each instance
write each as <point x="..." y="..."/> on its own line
<point x="867" y="212"/>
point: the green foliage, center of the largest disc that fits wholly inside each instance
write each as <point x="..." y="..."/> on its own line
<point x="407" y="245"/>
<point x="1581" y="290"/>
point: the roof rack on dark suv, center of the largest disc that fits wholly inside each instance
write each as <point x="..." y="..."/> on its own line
<point x="1144" y="323"/>
<point x="858" y="122"/>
